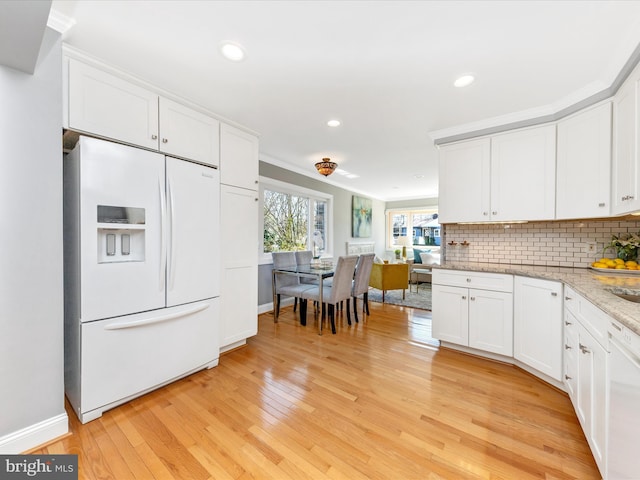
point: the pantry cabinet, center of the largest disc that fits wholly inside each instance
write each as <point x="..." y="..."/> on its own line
<point x="473" y="309"/>
<point x="239" y="157"/>
<point x="625" y="195"/>
<point x="240" y="236"/>
<point x="537" y="330"/>
<point x="583" y="184"/>
<point x="506" y="177"/>
<point x="109" y="106"/>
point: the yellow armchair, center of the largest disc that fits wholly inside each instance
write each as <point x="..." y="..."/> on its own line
<point x="389" y="276"/>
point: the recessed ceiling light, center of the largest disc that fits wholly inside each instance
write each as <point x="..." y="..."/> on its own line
<point x="232" y="51"/>
<point x="464" y="81"/>
<point x="333" y="123"/>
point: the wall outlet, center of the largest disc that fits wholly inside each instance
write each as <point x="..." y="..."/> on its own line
<point x="589" y="247"/>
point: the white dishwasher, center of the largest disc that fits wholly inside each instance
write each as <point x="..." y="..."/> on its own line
<point x="624" y="404"/>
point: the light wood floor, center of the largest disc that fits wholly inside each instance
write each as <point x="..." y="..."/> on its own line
<point x="375" y="401"/>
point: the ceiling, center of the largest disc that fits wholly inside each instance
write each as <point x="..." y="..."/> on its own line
<point x="385" y="69"/>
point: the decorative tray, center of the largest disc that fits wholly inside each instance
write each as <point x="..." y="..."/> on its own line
<point x="613" y="271"/>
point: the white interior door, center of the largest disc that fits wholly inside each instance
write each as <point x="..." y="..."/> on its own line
<point x="121" y="198"/>
<point x="193" y="206"/>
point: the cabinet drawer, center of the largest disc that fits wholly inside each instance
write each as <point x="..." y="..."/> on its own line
<point x="126" y="356"/>
<point x="487" y="281"/>
<point x="594" y="320"/>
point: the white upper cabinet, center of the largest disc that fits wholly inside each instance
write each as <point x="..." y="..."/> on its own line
<point x="523" y="174"/>
<point x="465" y="181"/>
<point x="583" y="184"/>
<point x="238" y="158"/>
<point x="625" y="184"/>
<point x="507" y="177"/>
<point x="111" y="107"/>
<point x="187" y="133"/>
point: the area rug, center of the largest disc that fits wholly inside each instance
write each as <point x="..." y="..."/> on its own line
<point x="422" y="299"/>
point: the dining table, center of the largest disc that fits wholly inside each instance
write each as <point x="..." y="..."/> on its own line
<point x="317" y="271"/>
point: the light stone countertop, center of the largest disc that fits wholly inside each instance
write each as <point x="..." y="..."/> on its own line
<point x="595" y="286"/>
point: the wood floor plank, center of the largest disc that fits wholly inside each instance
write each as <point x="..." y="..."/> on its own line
<point x="378" y="400"/>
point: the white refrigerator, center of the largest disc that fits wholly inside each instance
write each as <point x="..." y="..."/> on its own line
<point x="141" y="234"/>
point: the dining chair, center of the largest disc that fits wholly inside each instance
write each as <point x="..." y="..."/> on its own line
<point x="331" y="295"/>
<point x="361" y="282"/>
<point x="285" y="284"/>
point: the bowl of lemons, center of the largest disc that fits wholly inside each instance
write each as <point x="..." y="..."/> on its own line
<point x="616" y="265"/>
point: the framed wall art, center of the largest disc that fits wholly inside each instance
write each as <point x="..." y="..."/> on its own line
<point x="361" y="217"/>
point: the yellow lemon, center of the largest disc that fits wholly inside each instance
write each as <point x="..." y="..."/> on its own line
<point x="611" y="263"/>
<point x="620" y="267"/>
<point x="598" y="265"/>
<point x="602" y="260"/>
<point x="619" y="261"/>
<point x="631" y="263"/>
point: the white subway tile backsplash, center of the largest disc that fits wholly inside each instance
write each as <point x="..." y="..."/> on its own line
<point x="544" y="243"/>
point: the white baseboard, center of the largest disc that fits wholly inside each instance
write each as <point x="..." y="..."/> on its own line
<point x="35" y="435"/>
<point x="268" y="307"/>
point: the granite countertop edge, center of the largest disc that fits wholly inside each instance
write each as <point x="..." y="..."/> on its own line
<point x="595" y="286"/>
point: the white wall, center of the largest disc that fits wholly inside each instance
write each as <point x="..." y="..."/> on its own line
<point x="31" y="269"/>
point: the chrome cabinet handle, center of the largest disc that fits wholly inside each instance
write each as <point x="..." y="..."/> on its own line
<point x="154" y="137"/>
<point x="567" y="377"/>
<point x="584" y="349"/>
<point x="164" y="140"/>
<point x="568" y="323"/>
<point x="602" y="204"/>
<point x="568" y="298"/>
<point x="472" y="298"/>
<point x="567" y="347"/>
<point x="554" y="294"/>
<point x="464" y="297"/>
<point x="468" y="280"/>
<point x="494" y="213"/>
<point x="485" y="213"/>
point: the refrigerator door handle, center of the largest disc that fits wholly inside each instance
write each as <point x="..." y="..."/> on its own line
<point x="172" y="236"/>
<point x="157" y="319"/>
<point x="163" y="245"/>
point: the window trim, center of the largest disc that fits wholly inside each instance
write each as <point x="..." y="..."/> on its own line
<point x="292" y="189"/>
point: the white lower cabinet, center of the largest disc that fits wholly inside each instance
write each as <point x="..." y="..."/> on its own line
<point x="586" y="360"/>
<point x="537" y="326"/>
<point x="473" y="317"/>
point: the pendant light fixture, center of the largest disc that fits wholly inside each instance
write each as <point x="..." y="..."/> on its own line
<point x="326" y="167"/>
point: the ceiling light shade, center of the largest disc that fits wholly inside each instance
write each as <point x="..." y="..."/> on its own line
<point x="232" y="51"/>
<point x="333" y="123"/>
<point x="464" y="81"/>
<point x="326" y="167"/>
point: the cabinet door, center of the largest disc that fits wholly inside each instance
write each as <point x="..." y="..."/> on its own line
<point x="625" y="195"/>
<point x="238" y="157"/>
<point x="523" y="174"/>
<point x="584" y="164"/>
<point x="538" y="324"/>
<point x="239" y="294"/>
<point x="592" y="386"/>
<point x="464" y="181"/>
<point x="111" y="107"/>
<point x="491" y="321"/>
<point x="450" y="314"/>
<point x="189" y="134"/>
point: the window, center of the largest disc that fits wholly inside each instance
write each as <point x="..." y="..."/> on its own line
<point x="294" y="218"/>
<point x="421" y="226"/>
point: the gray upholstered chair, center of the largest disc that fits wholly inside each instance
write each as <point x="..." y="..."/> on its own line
<point x="285" y="284"/>
<point x="332" y="295"/>
<point x="361" y="282"/>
